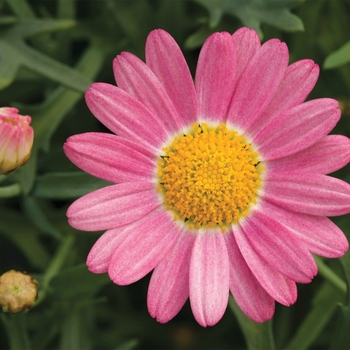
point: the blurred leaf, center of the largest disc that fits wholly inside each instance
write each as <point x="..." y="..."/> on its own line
<point x="341" y="335"/>
<point x="77" y="282"/>
<point x="48" y="116"/>
<point x="323" y="307"/>
<point x="20" y="231"/>
<point x="257" y="335"/>
<point x="17" y="331"/>
<point x="254" y="12"/>
<point x="76" y="332"/>
<point x="37" y="216"/>
<point x="129" y="345"/>
<point x="66" y="185"/>
<point x="197" y="38"/>
<point x="338" y="58"/>
<point x="26" y="174"/>
<point x="16" y="53"/>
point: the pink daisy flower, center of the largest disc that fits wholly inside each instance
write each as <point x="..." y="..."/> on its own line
<point x="221" y="184"/>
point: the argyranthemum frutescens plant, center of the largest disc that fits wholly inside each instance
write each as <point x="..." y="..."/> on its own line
<point x="220" y="184"/>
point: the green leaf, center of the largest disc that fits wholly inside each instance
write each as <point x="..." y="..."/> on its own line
<point x="37" y="216"/>
<point x="15" y="53"/>
<point x="257" y="335"/>
<point x="338" y="58"/>
<point x="323" y="307"/>
<point x="66" y="185"/>
<point x="24" y="236"/>
<point x="77" y="282"/>
<point x="341" y="335"/>
<point x="197" y="38"/>
<point x="254" y="12"/>
<point x="48" y="116"/>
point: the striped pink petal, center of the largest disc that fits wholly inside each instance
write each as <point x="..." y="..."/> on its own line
<point x="167" y="62"/>
<point x="113" y="206"/>
<point x="300" y="78"/>
<point x="125" y="115"/>
<point x="215" y="76"/>
<point x="329" y="154"/>
<point x="258" y="84"/>
<point x="278" y="247"/>
<point x="101" y="253"/>
<point x="298" y="128"/>
<point x="169" y="286"/>
<point x="209" y="278"/>
<point x="135" y="77"/>
<point x="308" y="193"/>
<point x="147" y="243"/>
<point x="318" y="233"/>
<point x="109" y="157"/>
<point x="254" y="301"/>
<point x="247" y="44"/>
<point x="281" y="288"/>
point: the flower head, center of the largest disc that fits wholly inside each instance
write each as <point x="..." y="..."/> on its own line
<point x="18" y="291"/>
<point x="221" y="184"/>
<point x="16" y="139"/>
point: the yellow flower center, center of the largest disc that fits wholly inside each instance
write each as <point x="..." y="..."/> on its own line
<point x="209" y="177"/>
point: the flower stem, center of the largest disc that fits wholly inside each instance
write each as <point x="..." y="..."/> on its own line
<point x="329" y="275"/>
<point x="55" y="266"/>
<point x="10" y="191"/>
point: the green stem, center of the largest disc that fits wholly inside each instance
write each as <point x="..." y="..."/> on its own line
<point x="55" y="266"/>
<point x="10" y="191"/>
<point x="17" y="331"/>
<point x="329" y="275"/>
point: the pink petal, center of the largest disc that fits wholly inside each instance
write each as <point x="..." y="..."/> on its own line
<point x="298" y="128"/>
<point x="101" y="253"/>
<point x="215" y="76"/>
<point x="135" y="77"/>
<point x="258" y="84"/>
<point x="167" y="62"/>
<point x="308" y="193"/>
<point x="281" y="288"/>
<point x="246" y="290"/>
<point x="327" y="155"/>
<point x="209" y="278"/>
<point x="109" y="157"/>
<point x="318" y="233"/>
<point x="278" y="247"/>
<point x="169" y="286"/>
<point x="299" y="80"/>
<point x="247" y="44"/>
<point x="148" y="242"/>
<point x="113" y="206"/>
<point x="125" y="115"/>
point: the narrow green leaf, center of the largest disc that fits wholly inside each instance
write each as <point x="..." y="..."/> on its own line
<point x="77" y="282"/>
<point x="37" y="216"/>
<point x="338" y="58"/>
<point x="257" y="335"/>
<point x="24" y="236"/>
<point x="341" y="335"/>
<point x="14" y="53"/>
<point x="324" y="305"/>
<point x="17" y="331"/>
<point x="66" y="185"/>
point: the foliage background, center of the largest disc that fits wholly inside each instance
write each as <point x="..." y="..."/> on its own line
<point x="50" y="51"/>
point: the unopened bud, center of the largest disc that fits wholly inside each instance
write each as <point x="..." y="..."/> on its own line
<point x="18" y="291"/>
<point x="16" y="139"/>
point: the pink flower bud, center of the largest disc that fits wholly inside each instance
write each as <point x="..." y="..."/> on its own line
<point x="16" y="139"/>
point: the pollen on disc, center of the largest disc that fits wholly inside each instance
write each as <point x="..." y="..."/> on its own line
<point x="209" y="177"/>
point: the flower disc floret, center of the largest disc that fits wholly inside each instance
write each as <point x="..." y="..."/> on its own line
<point x="209" y="176"/>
